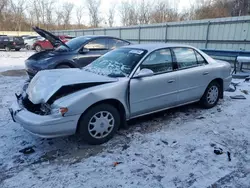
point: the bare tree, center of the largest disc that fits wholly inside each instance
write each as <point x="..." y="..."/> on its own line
<point x="93" y="8"/>
<point x="18" y="7"/>
<point x="129" y="13"/>
<point x="144" y="12"/>
<point x="67" y="10"/>
<point x="111" y="15"/>
<point x="79" y="15"/>
<point x="240" y="7"/>
<point x="3" y="7"/>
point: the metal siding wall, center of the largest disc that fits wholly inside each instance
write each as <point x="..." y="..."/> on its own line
<point x="99" y="32"/>
<point x="157" y="33"/>
<point x="79" y="33"/>
<point x="224" y="33"/>
<point x="88" y="32"/>
<point x="130" y="33"/>
<point x="112" y="32"/>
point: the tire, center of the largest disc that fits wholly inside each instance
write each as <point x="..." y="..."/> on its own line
<point x="28" y="47"/>
<point x="17" y="49"/>
<point x="7" y="48"/>
<point x="211" y="96"/>
<point x="100" y="113"/>
<point x="38" y="48"/>
<point x="63" y="67"/>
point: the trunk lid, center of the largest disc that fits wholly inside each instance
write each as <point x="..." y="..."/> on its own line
<point x="46" y="83"/>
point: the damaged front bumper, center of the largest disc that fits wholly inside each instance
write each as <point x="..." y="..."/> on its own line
<point x="46" y="126"/>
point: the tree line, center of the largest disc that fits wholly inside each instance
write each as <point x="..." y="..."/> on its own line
<point x="20" y="15"/>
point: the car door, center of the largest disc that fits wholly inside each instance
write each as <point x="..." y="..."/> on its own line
<point x="193" y="74"/>
<point x="95" y="49"/>
<point x="156" y="92"/>
<point x="7" y="41"/>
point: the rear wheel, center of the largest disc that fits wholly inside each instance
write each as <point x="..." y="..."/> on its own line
<point x="38" y="48"/>
<point x="7" y="48"/>
<point x="211" y="96"/>
<point x="99" y="124"/>
<point x="28" y="47"/>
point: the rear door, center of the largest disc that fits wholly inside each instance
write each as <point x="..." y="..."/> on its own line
<point x="96" y="47"/>
<point x="155" y="92"/>
<point x="193" y="74"/>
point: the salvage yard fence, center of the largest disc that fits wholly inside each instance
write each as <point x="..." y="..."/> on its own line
<point x="232" y="33"/>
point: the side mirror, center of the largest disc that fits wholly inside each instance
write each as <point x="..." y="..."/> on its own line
<point x="84" y="51"/>
<point x="144" y="73"/>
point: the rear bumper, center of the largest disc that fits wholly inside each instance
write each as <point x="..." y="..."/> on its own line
<point x="49" y="126"/>
<point x="226" y="82"/>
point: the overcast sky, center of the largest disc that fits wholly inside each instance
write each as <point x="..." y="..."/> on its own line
<point x="106" y="4"/>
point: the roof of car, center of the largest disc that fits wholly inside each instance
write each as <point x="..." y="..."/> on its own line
<point x="155" y="46"/>
<point x="98" y="36"/>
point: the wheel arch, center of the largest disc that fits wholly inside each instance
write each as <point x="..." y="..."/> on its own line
<point x="115" y="103"/>
<point x="65" y="63"/>
<point x="220" y="82"/>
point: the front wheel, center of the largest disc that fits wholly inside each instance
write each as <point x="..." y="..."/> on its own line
<point x="7" y="48"/>
<point x="211" y="96"/>
<point x="99" y="124"/>
<point x="17" y="49"/>
<point x="38" y="48"/>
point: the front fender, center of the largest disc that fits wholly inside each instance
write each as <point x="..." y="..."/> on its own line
<point x="80" y="101"/>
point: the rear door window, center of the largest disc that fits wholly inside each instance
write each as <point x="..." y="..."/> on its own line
<point x="97" y="44"/>
<point x="185" y="57"/>
<point x="200" y="59"/>
<point x="116" y="43"/>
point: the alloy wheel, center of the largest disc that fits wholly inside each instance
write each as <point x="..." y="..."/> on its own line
<point x="101" y="124"/>
<point x="212" y="94"/>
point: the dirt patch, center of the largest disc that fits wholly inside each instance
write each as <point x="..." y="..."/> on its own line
<point x="14" y="73"/>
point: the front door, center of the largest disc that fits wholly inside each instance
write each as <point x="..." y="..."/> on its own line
<point x="97" y="48"/>
<point x="156" y="92"/>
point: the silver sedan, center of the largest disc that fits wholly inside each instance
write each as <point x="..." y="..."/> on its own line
<point x="123" y="84"/>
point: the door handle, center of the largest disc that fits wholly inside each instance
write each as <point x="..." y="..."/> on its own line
<point x="205" y="73"/>
<point x="171" y="81"/>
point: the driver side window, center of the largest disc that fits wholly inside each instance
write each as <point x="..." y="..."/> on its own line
<point x="159" y="61"/>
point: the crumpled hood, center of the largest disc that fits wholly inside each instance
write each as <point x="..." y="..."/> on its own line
<point x="46" y="83"/>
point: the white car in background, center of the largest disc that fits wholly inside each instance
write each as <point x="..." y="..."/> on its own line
<point x="29" y="41"/>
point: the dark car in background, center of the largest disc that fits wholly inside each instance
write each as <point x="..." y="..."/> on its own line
<point x="75" y="53"/>
<point x="11" y="42"/>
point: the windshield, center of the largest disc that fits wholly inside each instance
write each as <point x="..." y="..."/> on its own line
<point x="73" y="44"/>
<point x="117" y="63"/>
